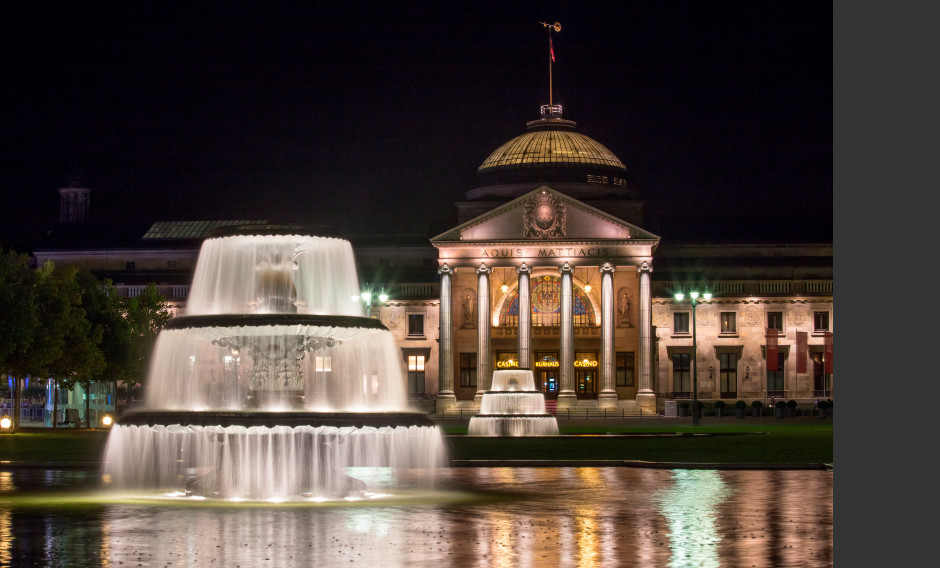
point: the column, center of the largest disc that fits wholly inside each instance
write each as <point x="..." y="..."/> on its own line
<point x="608" y="395"/>
<point x="445" y="387"/>
<point x="566" y="395"/>
<point x="645" y="397"/>
<point x="525" y="317"/>
<point x="484" y="372"/>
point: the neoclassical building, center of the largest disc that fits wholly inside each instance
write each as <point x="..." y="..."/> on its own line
<point x="549" y="283"/>
<point x="551" y="265"/>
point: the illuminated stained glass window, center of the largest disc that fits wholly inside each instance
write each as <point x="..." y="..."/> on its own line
<point x="545" y="299"/>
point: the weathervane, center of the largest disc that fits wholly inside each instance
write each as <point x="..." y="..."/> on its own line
<point x="557" y="27"/>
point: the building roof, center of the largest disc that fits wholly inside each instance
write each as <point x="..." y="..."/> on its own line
<point x="552" y="151"/>
<point x="550" y="142"/>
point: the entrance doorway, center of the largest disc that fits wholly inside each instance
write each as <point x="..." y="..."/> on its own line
<point x="548" y="383"/>
<point x="586" y="384"/>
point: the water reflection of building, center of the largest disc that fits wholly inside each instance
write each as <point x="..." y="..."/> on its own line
<point x="763" y="519"/>
<point x="691" y="506"/>
<point x="550" y="265"/>
<point x="514" y="517"/>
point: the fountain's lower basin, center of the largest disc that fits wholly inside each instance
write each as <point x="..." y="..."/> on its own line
<point x="269" y="455"/>
<point x="249" y="418"/>
<point x="513" y="425"/>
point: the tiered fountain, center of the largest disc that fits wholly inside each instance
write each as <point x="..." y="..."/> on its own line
<point x="272" y="385"/>
<point x="513" y="407"/>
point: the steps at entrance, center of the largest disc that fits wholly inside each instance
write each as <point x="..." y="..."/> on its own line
<point x="590" y="409"/>
<point x="582" y="409"/>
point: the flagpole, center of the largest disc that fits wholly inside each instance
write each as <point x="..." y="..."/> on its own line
<point x="551" y="54"/>
<point x="551" y="58"/>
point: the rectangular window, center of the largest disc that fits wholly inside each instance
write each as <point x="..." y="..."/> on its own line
<point x="728" y="374"/>
<point x="680" y="322"/>
<point x="775" y="378"/>
<point x="821" y="321"/>
<point x="468" y="369"/>
<point x="822" y="381"/>
<point x="416" y="374"/>
<point x="729" y="322"/>
<point x="415" y="325"/>
<point x="775" y="320"/>
<point x="324" y="364"/>
<point x="681" y="374"/>
<point x="546" y="319"/>
<point x="506" y="360"/>
<point x="129" y="265"/>
<point x="625" y="369"/>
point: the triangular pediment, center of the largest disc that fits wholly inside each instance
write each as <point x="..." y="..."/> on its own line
<point x="544" y="215"/>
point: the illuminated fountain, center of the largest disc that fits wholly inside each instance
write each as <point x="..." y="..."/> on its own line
<point x="513" y="407"/>
<point x="273" y="385"/>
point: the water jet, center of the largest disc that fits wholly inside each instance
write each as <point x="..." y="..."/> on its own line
<point x="513" y="407"/>
<point x="272" y="384"/>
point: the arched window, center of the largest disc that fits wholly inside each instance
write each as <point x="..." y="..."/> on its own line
<point x="546" y="304"/>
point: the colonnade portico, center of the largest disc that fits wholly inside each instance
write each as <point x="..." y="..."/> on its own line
<point x="483" y="271"/>
<point x="548" y="319"/>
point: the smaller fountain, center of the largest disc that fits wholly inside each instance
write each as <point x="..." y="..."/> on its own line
<point x="513" y="407"/>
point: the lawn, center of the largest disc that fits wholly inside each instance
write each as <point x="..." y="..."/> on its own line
<point x="762" y="441"/>
<point x="60" y="445"/>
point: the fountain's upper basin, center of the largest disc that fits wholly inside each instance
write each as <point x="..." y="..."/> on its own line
<point x="261" y="321"/>
<point x="275" y="230"/>
<point x="271" y="419"/>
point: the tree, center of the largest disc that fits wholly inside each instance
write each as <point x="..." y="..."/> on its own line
<point x="147" y="315"/>
<point x="49" y="335"/>
<point x="108" y="330"/>
<point x="82" y="357"/>
<point x="67" y="325"/>
<point x="16" y="305"/>
<point x="20" y="321"/>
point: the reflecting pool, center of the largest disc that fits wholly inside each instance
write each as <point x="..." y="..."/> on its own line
<point x="480" y="517"/>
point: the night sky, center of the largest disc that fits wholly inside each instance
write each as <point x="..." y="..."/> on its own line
<point x="373" y="117"/>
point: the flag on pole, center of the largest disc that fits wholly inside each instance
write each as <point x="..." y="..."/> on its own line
<point x="802" y="343"/>
<point x="550" y="47"/>
<point x="771" y="349"/>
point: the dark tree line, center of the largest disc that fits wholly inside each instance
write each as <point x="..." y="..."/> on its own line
<point x="66" y="325"/>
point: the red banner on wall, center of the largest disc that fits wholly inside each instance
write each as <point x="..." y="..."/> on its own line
<point x="802" y="346"/>
<point x="771" y="349"/>
<point x="828" y="355"/>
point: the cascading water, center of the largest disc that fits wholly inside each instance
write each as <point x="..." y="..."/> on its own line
<point x="513" y="407"/>
<point x="272" y="385"/>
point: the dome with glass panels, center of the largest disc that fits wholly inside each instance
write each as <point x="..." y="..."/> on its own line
<point x="551" y="142"/>
<point x="553" y="152"/>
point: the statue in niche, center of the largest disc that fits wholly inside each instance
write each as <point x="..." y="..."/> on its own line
<point x="469" y="302"/>
<point x="623" y="307"/>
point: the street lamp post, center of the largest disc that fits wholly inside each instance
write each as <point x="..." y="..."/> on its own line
<point x="693" y="298"/>
<point x="366" y="298"/>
